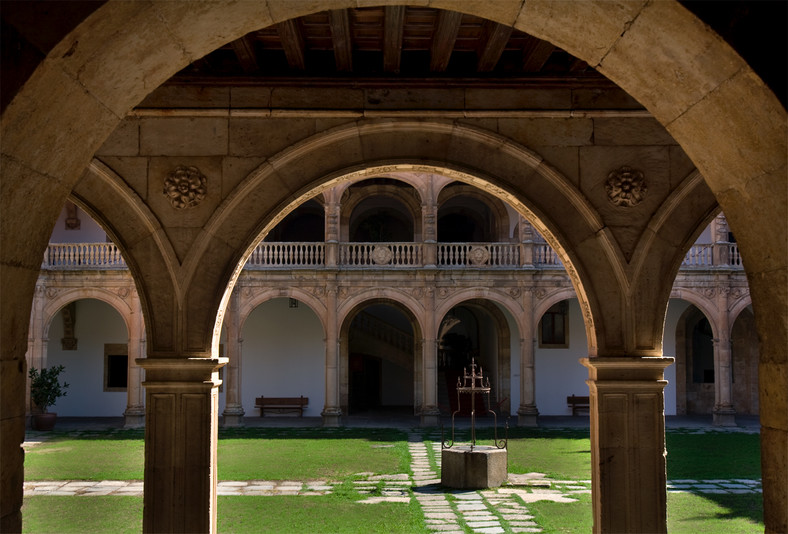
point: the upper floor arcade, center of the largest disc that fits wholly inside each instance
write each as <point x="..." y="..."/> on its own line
<point x="392" y="222"/>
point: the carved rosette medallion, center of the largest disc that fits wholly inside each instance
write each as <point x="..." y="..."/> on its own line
<point x="479" y="255"/>
<point x="626" y="187"/>
<point x="185" y="187"/>
<point x="381" y="255"/>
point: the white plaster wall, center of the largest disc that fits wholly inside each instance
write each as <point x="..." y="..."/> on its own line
<point x="559" y="374"/>
<point x="89" y="230"/>
<point x="675" y="308"/>
<point x="96" y="323"/>
<point x="283" y="355"/>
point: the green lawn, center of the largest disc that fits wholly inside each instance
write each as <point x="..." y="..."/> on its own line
<point x="339" y="454"/>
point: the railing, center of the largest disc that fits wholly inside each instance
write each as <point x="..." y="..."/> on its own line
<point x="699" y="256"/>
<point x="545" y="255"/>
<point x="402" y="255"/>
<point x="380" y="254"/>
<point x="287" y="255"/>
<point x="734" y="258"/>
<point x="83" y="256"/>
<point x="478" y="255"/>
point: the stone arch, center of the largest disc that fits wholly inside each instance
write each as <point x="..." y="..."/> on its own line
<point x="546" y="302"/>
<point x="705" y="305"/>
<point x="349" y="203"/>
<point x="498" y="210"/>
<point x="738" y="307"/>
<point x="258" y="297"/>
<point x="70" y="295"/>
<point x="691" y="398"/>
<point x="347" y="312"/>
<point x="490" y="302"/>
<point x="649" y="49"/>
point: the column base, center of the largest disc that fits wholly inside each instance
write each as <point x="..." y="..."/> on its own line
<point x="134" y="417"/>
<point x="332" y="418"/>
<point x="527" y="416"/>
<point x="724" y="416"/>
<point x="430" y="416"/>
<point x="233" y="416"/>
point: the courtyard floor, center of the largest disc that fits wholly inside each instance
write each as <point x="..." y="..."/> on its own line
<point x="498" y="510"/>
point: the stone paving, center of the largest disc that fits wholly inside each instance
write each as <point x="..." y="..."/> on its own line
<point x="446" y="511"/>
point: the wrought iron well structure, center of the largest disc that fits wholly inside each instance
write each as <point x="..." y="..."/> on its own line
<point x="471" y="384"/>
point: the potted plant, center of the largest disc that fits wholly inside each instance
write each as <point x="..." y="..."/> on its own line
<point x="45" y="389"/>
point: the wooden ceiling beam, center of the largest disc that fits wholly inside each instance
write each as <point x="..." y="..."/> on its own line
<point x="394" y="25"/>
<point x="492" y="45"/>
<point x="339" y="21"/>
<point x="447" y="26"/>
<point x="244" y="51"/>
<point x="536" y="54"/>
<point x="293" y="44"/>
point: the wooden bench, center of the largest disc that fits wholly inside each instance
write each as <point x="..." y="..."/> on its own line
<point x="281" y="404"/>
<point x="578" y="404"/>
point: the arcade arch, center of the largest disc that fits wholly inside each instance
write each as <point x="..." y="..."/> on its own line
<point x="700" y="107"/>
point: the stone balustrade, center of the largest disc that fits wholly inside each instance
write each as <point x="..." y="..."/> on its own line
<point x="90" y="256"/>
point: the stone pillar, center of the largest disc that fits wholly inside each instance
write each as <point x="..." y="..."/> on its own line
<point x="429" y="218"/>
<point x="526" y="238"/>
<point x="37" y="343"/>
<point x="182" y="401"/>
<point x="628" y="443"/>
<point x="527" y="412"/>
<point x="723" y="412"/>
<point x="430" y="413"/>
<point x="332" y="213"/>
<point x="721" y="248"/>
<point x="134" y="416"/>
<point x="233" y="408"/>
<point x="332" y="411"/>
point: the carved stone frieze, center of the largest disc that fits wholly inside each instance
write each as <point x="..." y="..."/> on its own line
<point x="444" y="292"/>
<point x="51" y="292"/>
<point x="418" y="292"/>
<point x="185" y="187"/>
<point x="123" y="292"/>
<point x="626" y="187"/>
<point x="515" y="292"/>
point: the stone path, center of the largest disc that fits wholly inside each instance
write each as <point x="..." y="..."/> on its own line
<point x="446" y="511"/>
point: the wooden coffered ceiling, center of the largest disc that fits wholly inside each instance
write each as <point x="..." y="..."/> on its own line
<point x="395" y="44"/>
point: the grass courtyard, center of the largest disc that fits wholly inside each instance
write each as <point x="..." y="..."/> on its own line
<point x="342" y="457"/>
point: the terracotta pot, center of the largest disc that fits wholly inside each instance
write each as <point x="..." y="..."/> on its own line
<point x="44" y="421"/>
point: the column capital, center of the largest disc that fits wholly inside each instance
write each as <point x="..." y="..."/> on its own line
<point x="183" y="372"/>
<point x="626" y="368"/>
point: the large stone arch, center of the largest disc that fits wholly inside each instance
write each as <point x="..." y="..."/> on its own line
<point x="705" y="305"/>
<point x="498" y="210"/>
<point x="722" y="114"/>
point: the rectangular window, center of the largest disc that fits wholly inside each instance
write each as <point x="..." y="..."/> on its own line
<point x="554" y="326"/>
<point x="116" y="367"/>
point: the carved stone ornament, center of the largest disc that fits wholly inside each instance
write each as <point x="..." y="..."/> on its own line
<point x="185" y="187"/>
<point x="382" y="255"/>
<point x="479" y="255"/>
<point x="626" y="187"/>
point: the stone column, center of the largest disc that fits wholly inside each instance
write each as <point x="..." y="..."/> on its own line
<point x="429" y="218"/>
<point x="527" y="412"/>
<point x="332" y="214"/>
<point x="332" y="412"/>
<point x="526" y="238"/>
<point x="134" y="416"/>
<point x="723" y="413"/>
<point x="182" y="399"/>
<point x="233" y="408"/>
<point x="628" y="443"/>
<point x="37" y="343"/>
<point x="430" y="413"/>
